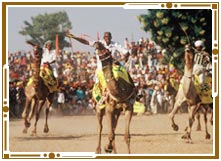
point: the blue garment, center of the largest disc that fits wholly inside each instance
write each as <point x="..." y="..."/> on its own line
<point x="80" y="94"/>
<point x="151" y="92"/>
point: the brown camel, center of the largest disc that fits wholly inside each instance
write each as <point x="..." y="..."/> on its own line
<point x="36" y="94"/>
<point x="187" y="94"/>
<point x="119" y="96"/>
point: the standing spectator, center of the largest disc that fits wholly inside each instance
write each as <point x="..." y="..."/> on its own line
<point x="81" y="102"/>
<point x="20" y="96"/>
<point x="132" y="61"/>
<point x="61" y="98"/>
<point x="127" y="44"/>
<point x="12" y="99"/>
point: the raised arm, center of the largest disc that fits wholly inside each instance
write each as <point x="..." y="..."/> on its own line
<point x="81" y="40"/>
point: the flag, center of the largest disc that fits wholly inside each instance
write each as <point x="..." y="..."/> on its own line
<point x="57" y="45"/>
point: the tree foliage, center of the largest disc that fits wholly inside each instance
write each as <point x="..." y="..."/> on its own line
<point x="173" y="29"/>
<point x="45" y="27"/>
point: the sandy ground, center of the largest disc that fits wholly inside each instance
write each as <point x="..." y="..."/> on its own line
<point x="150" y="134"/>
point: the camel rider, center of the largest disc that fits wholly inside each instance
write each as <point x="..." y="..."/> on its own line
<point x="202" y="62"/>
<point x="118" y="52"/>
<point x="49" y="60"/>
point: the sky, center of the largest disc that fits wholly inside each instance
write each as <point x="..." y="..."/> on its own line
<point x="90" y="20"/>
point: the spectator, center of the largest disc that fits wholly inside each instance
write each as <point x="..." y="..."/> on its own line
<point x="60" y="99"/>
<point x="13" y="108"/>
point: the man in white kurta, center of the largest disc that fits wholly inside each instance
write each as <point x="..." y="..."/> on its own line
<point x="49" y="58"/>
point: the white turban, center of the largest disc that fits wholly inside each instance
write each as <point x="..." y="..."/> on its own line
<point x="199" y="43"/>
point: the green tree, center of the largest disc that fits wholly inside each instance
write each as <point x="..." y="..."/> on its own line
<point x="173" y="29"/>
<point x="45" y="27"/>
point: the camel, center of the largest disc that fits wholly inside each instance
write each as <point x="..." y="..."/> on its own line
<point x="118" y="96"/>
<point x="36" y="94"/>
<point x="188" y="94"/>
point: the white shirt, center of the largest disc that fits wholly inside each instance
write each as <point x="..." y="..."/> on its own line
<point x="61" y="97"/>
<point x="114" y="47"/>
<point x="49" y="56"/>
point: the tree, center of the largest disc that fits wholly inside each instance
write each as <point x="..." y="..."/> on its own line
<point x="45" y="27"/>
<point x="173" y="29"/>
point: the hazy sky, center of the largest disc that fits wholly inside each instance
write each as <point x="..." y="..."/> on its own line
<point x="85" y="20"/>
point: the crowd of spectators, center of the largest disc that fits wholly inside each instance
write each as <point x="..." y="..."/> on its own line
<point x="76" y="72"/>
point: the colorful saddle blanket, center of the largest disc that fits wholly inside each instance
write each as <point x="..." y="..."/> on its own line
<point x="204" y="90"/>
<point x="118" y="72"/>
<point x="48" y="78"/>
<point x="98" y="89"/>
<point x="97" y="94"/>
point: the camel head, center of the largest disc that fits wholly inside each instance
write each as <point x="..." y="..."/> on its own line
<point x="99" y="46"/>
<point x="103" y="53"/>
<point x="37" y="49"/>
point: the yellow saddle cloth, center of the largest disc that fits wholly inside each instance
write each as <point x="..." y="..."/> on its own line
<point x="204" y="90"/>
<point x="118" y="72"/>
<point x="98" y="89"/>
<point x="97" y="94"/>
<point x="48" y="78"/>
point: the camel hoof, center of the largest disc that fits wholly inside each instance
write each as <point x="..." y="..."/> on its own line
<point x="25" y="131"/>
<point x="208" y="136"/>
<point x="33" y="133"/>
<point x="46" y="130"/>
<point x="184" y="137"/>
<point x="175" y="127"/>
<point x="189" y="141"/>
<point x="98" y="151"/>
<point x="27" y="124"/>
<point x="108" y="149"/>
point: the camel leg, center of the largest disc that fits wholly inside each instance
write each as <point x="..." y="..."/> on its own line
<point x="32" y="110"/>
<point x="198" y="127"/>
<point x="24" y="115"/>
<point x="49" y="101"/>
<point x="37" y="115"/>
<point x="27" y="104"/>
<point x="187" y="136"/>
<point x="205" y="111"/>
<point x="211" y="118"/>
<point x="46" y="129"/>
<point x="111" y="135"/>
<point x="128" y="116"/>
<point x="176" y="107"/>
<point x="115" y="117"/>
<point x="100" y="115"/>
